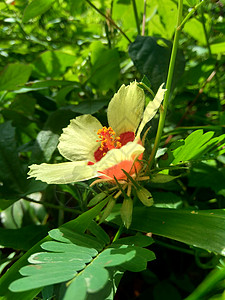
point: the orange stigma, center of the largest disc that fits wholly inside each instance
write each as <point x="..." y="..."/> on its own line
<point x="108" y="139"/>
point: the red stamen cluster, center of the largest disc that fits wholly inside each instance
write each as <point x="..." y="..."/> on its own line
<point x="108" y="140"/>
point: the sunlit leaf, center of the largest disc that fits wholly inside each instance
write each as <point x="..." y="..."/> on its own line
<point x="14" y="75"/>
<point x="53" y="63"/>
<point x="196" y="146"/>
<point x="105" y="66"/>
<point x="36" y="8"/>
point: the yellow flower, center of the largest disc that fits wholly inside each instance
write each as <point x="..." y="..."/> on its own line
<point x="97" y="151"/>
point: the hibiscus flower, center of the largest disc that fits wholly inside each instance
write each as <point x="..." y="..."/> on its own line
<point x="101" y="152"/>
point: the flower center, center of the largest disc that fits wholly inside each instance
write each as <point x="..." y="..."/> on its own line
<point x="108" y="140"/>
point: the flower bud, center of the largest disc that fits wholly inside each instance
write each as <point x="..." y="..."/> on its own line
<point x="126" y="212"/>
<point x="145" y="196"/>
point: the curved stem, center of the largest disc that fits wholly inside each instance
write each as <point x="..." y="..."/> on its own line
<point x="168" y="85"/>
<point x="208" y="284"/>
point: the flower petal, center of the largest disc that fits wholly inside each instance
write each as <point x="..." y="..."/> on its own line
<point x="126" y="153"/>
<point x="126" y="108"/>
<point x="151" y="109"/>
<point x="78" y="140"/>
<point x="62" y="173"/>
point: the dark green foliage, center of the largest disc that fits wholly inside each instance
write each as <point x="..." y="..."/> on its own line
<point x="192" y="227"/>
<point x="62" y="59"/>
<point x="151" y="57"/>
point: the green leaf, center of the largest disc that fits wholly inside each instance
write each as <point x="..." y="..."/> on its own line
<point x="66" y="247"/>
<point x="5" y="204"/>
<point x="195" y="29"/>
<point x="192" y="3"/>
<point x="53" y="63"/>
<point x="72" y="252"/>
<point x="206" y="176"/>
<point x="199" y="73"/>
<point x="203" y="229"/>
<point x="105" y="66"/>
<point x="42" y="84"/>
<point x="14" y="238"/>
<point x="151" y="57"/>
<point x="36" y="8"/>
<point x="95" y="283"/>
<point x="45" y="144"/>
<point x="70" y="236"/>
<point x="196" y="146"/>
<point x="218" y="48"/>
<point x="83" y="221"/>
<point x="77" y="289"/>
<point x="167" y="200"/>
<point x="89" y="107"/>
<point x="14" y="75"/>
<point x="12" y="175"/>
<point x="97" y="231"/>
<point x="54" y="267"/>
<point x="13" y="273"/>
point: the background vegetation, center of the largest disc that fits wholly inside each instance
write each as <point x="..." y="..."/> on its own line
<point x="60" y="59"/>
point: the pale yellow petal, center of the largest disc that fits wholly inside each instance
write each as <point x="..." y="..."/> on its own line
<point x="151" y="109"/>
<point x="62" y="173"/>
<point x="128" y="152"/>
<point x="126" y="108"/>
<point x="78" y="140"/>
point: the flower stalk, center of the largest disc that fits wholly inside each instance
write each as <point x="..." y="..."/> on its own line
<point x="168" y="86"/>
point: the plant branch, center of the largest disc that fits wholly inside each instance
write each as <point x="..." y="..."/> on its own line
<point x="168" y="86"/>
<point x="136" y="16"/>
<point x="144" y="19"/>
<point x="109" y="19"/>
<point x="50" y="205"/>
<point x="189" y="15"/>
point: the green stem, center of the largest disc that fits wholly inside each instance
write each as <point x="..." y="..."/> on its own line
<point x="205" y="32"/>
<point x="147" y="88"/>
<point x="168" y="85"/>
<point x="208" y="284"/>
<point x="190" y="14"/>
<point x="110" y="20"/>
<point x="118" y="234"/>
<point x="173" y="247"/>
<point x="136" y="16"/>
<point x="58" y="207"/>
